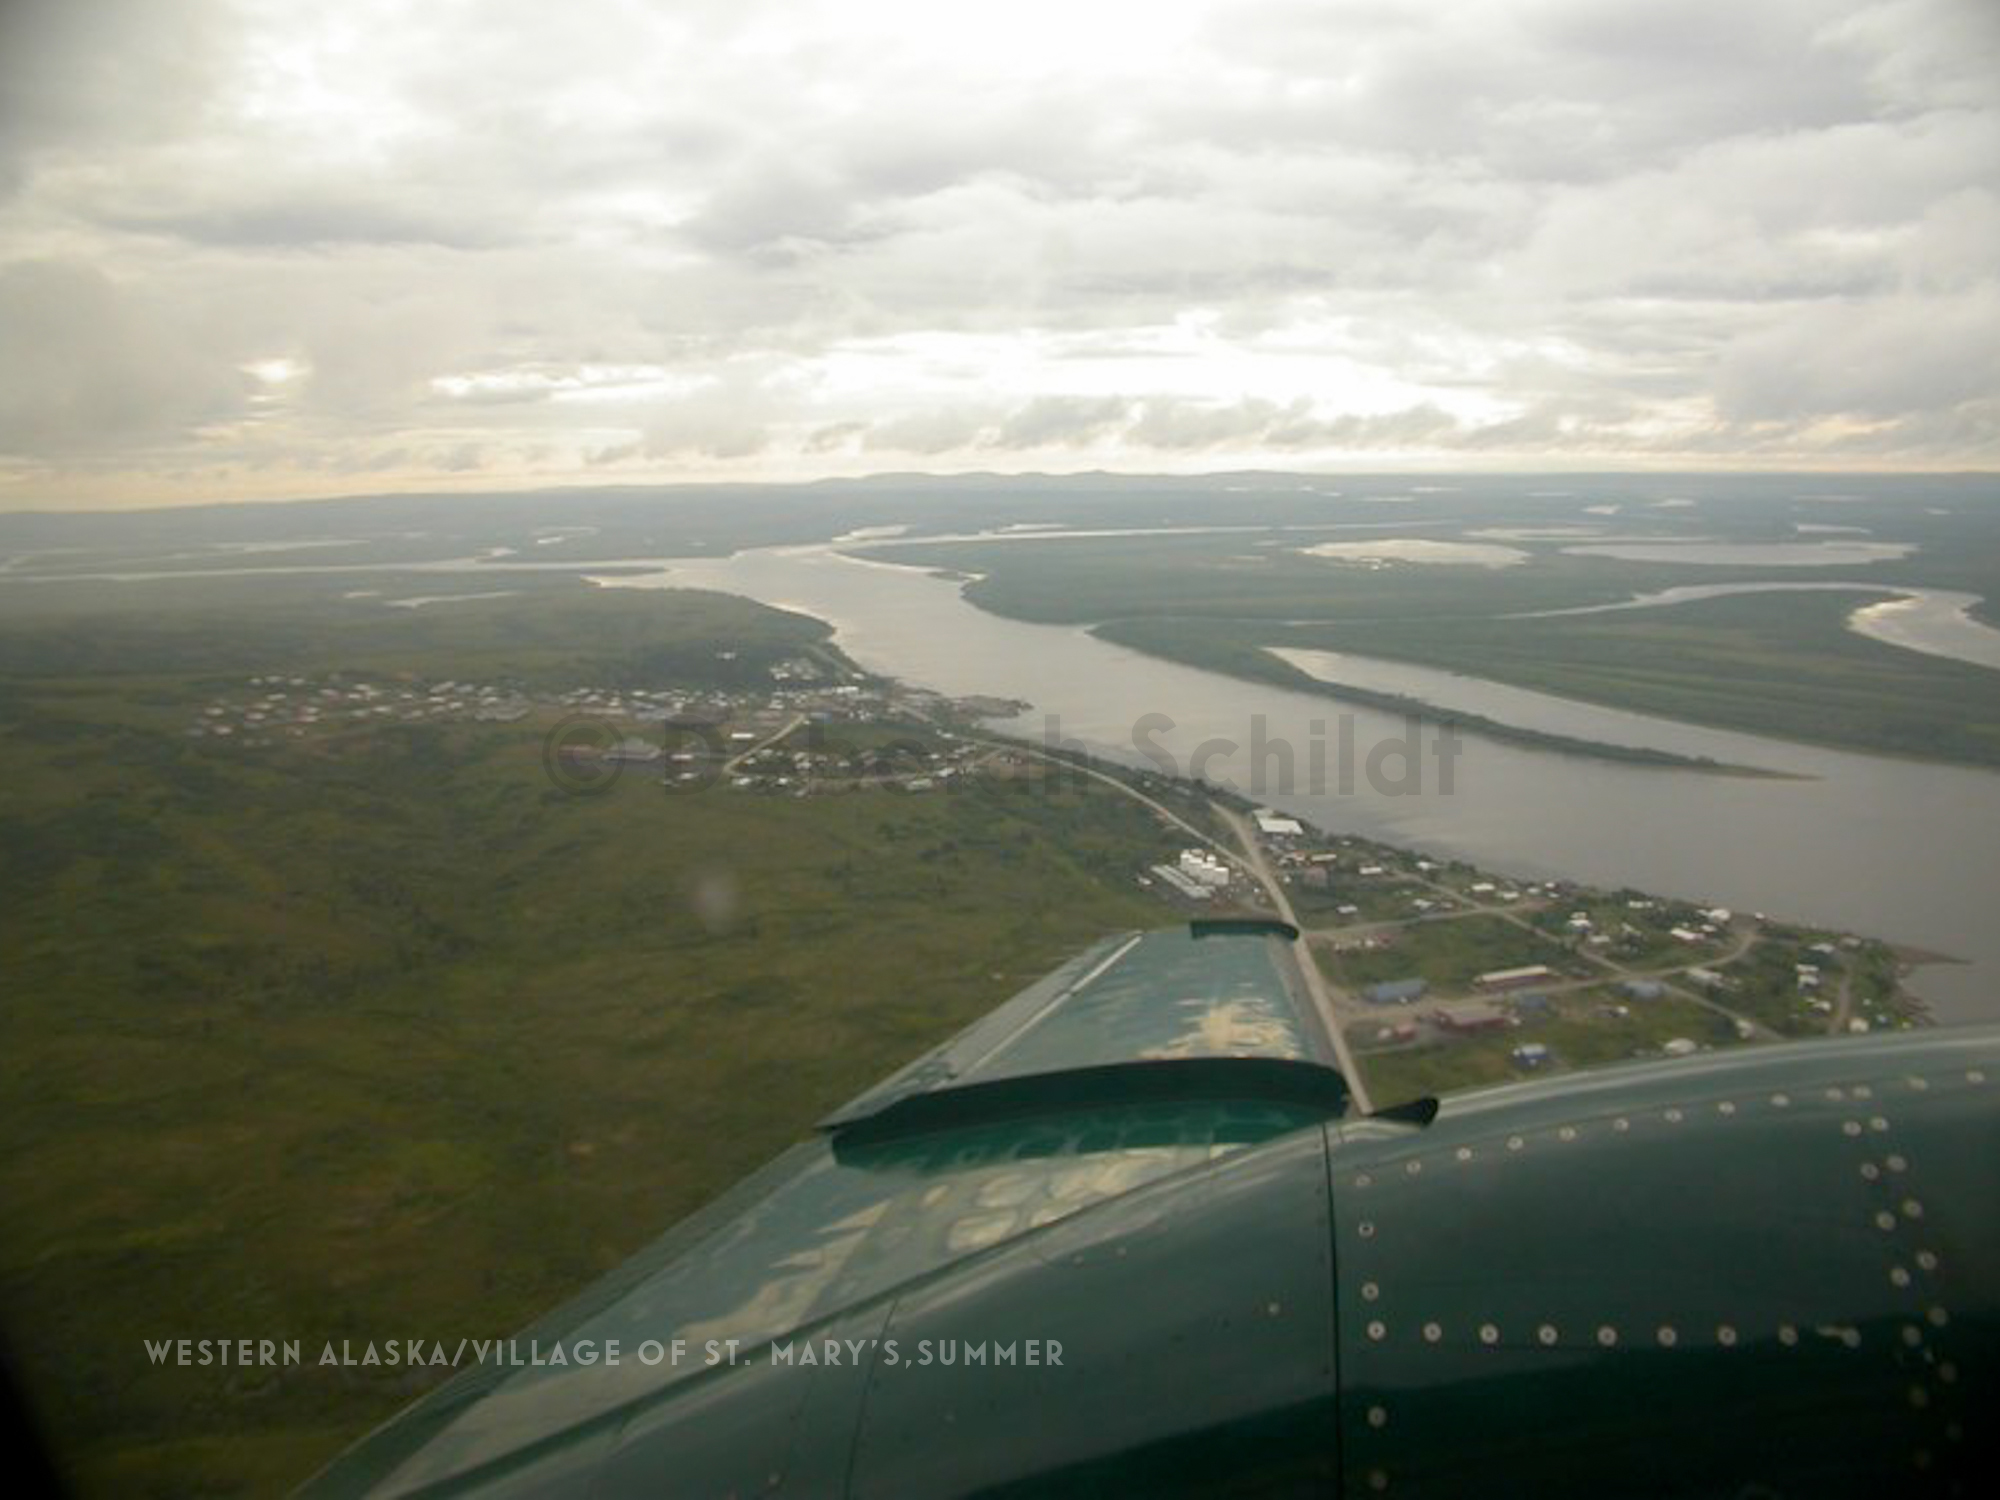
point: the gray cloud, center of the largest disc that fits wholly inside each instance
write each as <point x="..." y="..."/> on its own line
<point x="1063" y="421"/>
<point x="928" y="433"/>
<point x="1897" y="357"/>
<point x="740" y="238"/>
<point x="88" y="367"/>
<point x="104" y="75"/>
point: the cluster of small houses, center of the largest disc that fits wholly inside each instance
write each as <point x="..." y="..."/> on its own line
<point x="280" y="706"/>
<point x="1708" y="926"/>
<point x="748" y="764"/>
<point x="293" y="707"/>
<point x="1316" y="867"/>
<point x="1482" y="1015"/>
<point x="1469" y="1017"/>
<point x="804" y="691"/>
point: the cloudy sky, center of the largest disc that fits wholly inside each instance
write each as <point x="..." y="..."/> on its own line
<point x="260" y="248"/>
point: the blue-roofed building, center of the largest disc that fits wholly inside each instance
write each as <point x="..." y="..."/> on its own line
<point x="1394" y="992"/>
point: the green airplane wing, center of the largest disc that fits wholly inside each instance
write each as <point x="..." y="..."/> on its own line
<point x="1125" y="1236"/>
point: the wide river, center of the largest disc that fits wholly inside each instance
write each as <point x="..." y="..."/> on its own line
<point x="1899" y="849"/>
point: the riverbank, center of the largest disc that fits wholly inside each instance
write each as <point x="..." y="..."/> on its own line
<point x="1194" y="644"/>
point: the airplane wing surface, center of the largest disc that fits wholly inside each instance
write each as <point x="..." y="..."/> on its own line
<point x="1124" y="1235"/>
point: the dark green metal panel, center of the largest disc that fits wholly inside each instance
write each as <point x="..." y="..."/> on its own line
<point x="1770" y="1272"/>
<point x="1194" y="1320"/>
<point x="756" y="1428"/>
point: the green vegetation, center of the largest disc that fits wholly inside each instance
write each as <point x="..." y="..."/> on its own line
<point x="548" y="636"/>
<point x="1264" y="578"/>
<point x="1375" y="899"/>
<point x="378" y="1033"/>
<point x="1774" y="664"/>
<point x="382" y="1035"/>
<point x="1767" y="663"/>
<point x="1581" y="1029"/>
<point x="1447" y="952"/>
<point x="1198" y="643"/>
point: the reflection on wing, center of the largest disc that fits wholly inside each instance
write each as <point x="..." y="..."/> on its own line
<point x="1772" y="1270"/>
<point x="1213" y="989"/>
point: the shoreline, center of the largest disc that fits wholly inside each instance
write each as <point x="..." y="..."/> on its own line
<point x="1902" y="1000"/>
<point x="1257" y="665"/>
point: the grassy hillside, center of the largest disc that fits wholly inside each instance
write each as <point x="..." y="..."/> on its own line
<point x="386" y="1037"/>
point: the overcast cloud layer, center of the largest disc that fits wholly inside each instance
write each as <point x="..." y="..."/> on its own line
<point x="261" y="248"/>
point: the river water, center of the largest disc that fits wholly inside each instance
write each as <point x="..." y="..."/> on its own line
<point x="1899" y="849"/>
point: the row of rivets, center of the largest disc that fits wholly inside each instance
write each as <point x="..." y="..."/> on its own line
<point x="1666" y="1334"/>
<point x="1674" y="1116"/>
